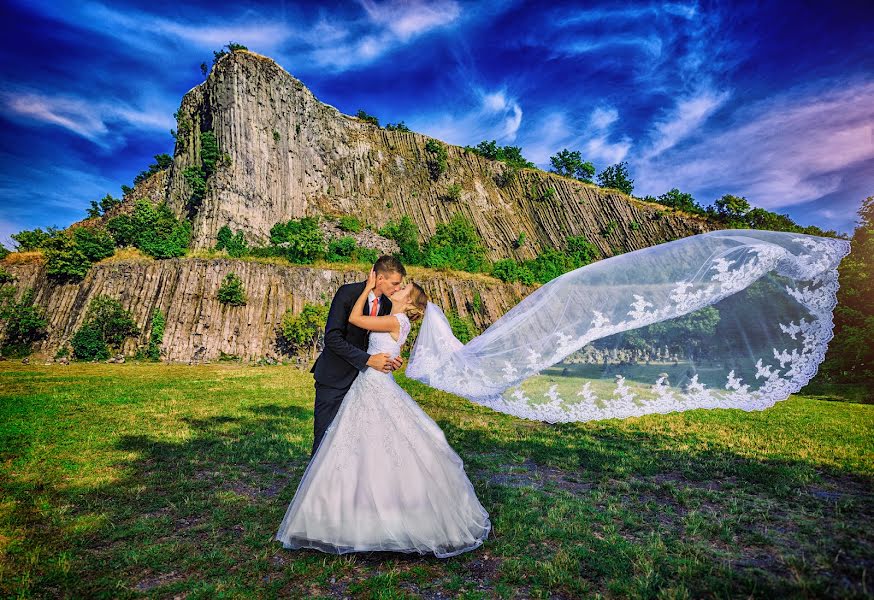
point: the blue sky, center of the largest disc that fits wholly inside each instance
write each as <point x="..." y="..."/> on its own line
<point x="771" y="100"/>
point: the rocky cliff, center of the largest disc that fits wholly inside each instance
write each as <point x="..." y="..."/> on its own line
<point x="287" y="155"/>
<point x="199" y="327"/>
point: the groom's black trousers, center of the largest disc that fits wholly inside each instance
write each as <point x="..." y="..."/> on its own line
<point x="328" y="401"/>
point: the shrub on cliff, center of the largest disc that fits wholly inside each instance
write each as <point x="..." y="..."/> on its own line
<point x="456" y="245"/>
<point x="231" y="291"/>
<point x="24" y="322"/>
<point x="437" y="158"/>
<point x="155" y="230"/>
<point x="299" y="240"/>
<point x="104" y="329"/>
<point x="156" y="335"/>
<point x="340" y="249"/>
<point x="234" y="244"/>
<point x="616" y="177"/>
<point x="406" y="234"/>
<point x="366" y="117"/>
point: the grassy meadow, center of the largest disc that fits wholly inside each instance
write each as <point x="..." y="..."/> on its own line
<point x="169" y="481"/>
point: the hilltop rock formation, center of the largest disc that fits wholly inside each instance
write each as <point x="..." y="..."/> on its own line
<point x="288" y="155"/>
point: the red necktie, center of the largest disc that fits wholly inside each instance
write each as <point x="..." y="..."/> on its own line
<point x="374" y="307"/>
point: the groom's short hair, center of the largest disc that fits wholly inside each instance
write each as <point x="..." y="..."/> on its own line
<point x="386" y="264"/>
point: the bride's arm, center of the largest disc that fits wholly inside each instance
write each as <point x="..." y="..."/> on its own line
<point x="359" y="319"/>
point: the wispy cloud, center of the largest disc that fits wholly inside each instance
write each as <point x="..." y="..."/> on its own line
<point x="686" y="117"/>
<point x="494" y="115"/>
<point x="781" y="152"/>
<point x="406" y="19"/>
<point x="95" y="121"/>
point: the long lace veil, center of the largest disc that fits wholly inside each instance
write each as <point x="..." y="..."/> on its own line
<point x="725" y="319"/>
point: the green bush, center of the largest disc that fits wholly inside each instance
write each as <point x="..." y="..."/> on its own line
<point x="6" y="276"/>
<point x="437" y="160"/>
<point x="104" y="328"/>
<point x="405" y="233"/>
<point x="456" y="245"/>
<point x="158" y="232"/>
<point x="509" y="270"/>
<point x="453" y="192"/>
<point x="340" y="249"/>
<point x="25" y="322"/>
<point x="512" y="155"/>
<point x="235" y="245"/>
<point x="616" y="177"/>
<point x="397" y="127"/>
<point x="367" y="118"/>
<point x="122" y="229"/>
<point x="231" y="291"/>
<point x="64" y="258"/>
<point x="303" y="331"/>
<point x="350" y="224"/>
<point x="223" y="237"/>
<point x="162" y="162"/>
<point x="571" y="164"/>
<point x="88" y="344"/>
<point x="156" y="335"/>
<point x="301" y="241"/>
<point x="33" y="239"/>
<point x="463" y="328"/>
<point x="365" y="255"/>
<point x="95" y="244"/>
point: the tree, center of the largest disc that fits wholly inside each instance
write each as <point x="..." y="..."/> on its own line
<point x="33" y="239"/>
<point x="25" y="322"/>
<point x="571" y="164"/>
<point x="304" y="330"/>
<point x="731" y="208"/>
<point x="680" y="201"/>
<point x="299" y="240"/>
<point x="406" y="234"/>
<point x="850" y="355"/>
<point x="456" y="245"/>
<point x="397" y="127"/>
<point x="616" y="176"/>
<point x="105" y="327"/>
<point x="158" y="232"/>
<point x="366" y="117"/>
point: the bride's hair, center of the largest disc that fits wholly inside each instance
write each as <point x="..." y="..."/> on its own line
<point x="417" y="302"/>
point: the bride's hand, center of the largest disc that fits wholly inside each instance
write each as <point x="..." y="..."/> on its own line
<point x="371" y="280"/>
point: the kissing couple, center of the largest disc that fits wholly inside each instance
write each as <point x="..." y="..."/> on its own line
<point x="381" y="475"/>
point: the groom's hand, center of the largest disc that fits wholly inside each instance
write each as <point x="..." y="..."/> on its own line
<point x="381" y="362"/>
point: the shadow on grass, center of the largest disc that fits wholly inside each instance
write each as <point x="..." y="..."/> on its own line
<point x="198" y="515"/>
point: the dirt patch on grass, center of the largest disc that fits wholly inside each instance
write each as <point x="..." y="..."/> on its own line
<point x="533" y="475"/>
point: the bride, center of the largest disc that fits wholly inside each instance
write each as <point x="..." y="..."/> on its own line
<point x="384" y="476"/>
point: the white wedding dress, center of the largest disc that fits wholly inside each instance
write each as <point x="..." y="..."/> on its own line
<point x="384" y="477"/>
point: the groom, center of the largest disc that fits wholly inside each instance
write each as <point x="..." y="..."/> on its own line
<point x="345" y="353"/>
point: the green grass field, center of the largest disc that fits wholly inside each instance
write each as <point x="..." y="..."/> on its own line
<point x="170" y="481"/>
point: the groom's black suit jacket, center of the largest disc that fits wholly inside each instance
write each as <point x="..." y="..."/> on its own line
<point x="345" y="353"/>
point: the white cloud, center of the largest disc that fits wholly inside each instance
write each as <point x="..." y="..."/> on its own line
<point x="496" y="115"/>
<point x="777" y="153"/>
<point x="687" y="117"/>
<point x="83" y="116"/>
<point x="406" y="19"/>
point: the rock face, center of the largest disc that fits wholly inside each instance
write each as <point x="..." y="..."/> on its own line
<point x="287" y="155"/>
<point x="199" y="327"/>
